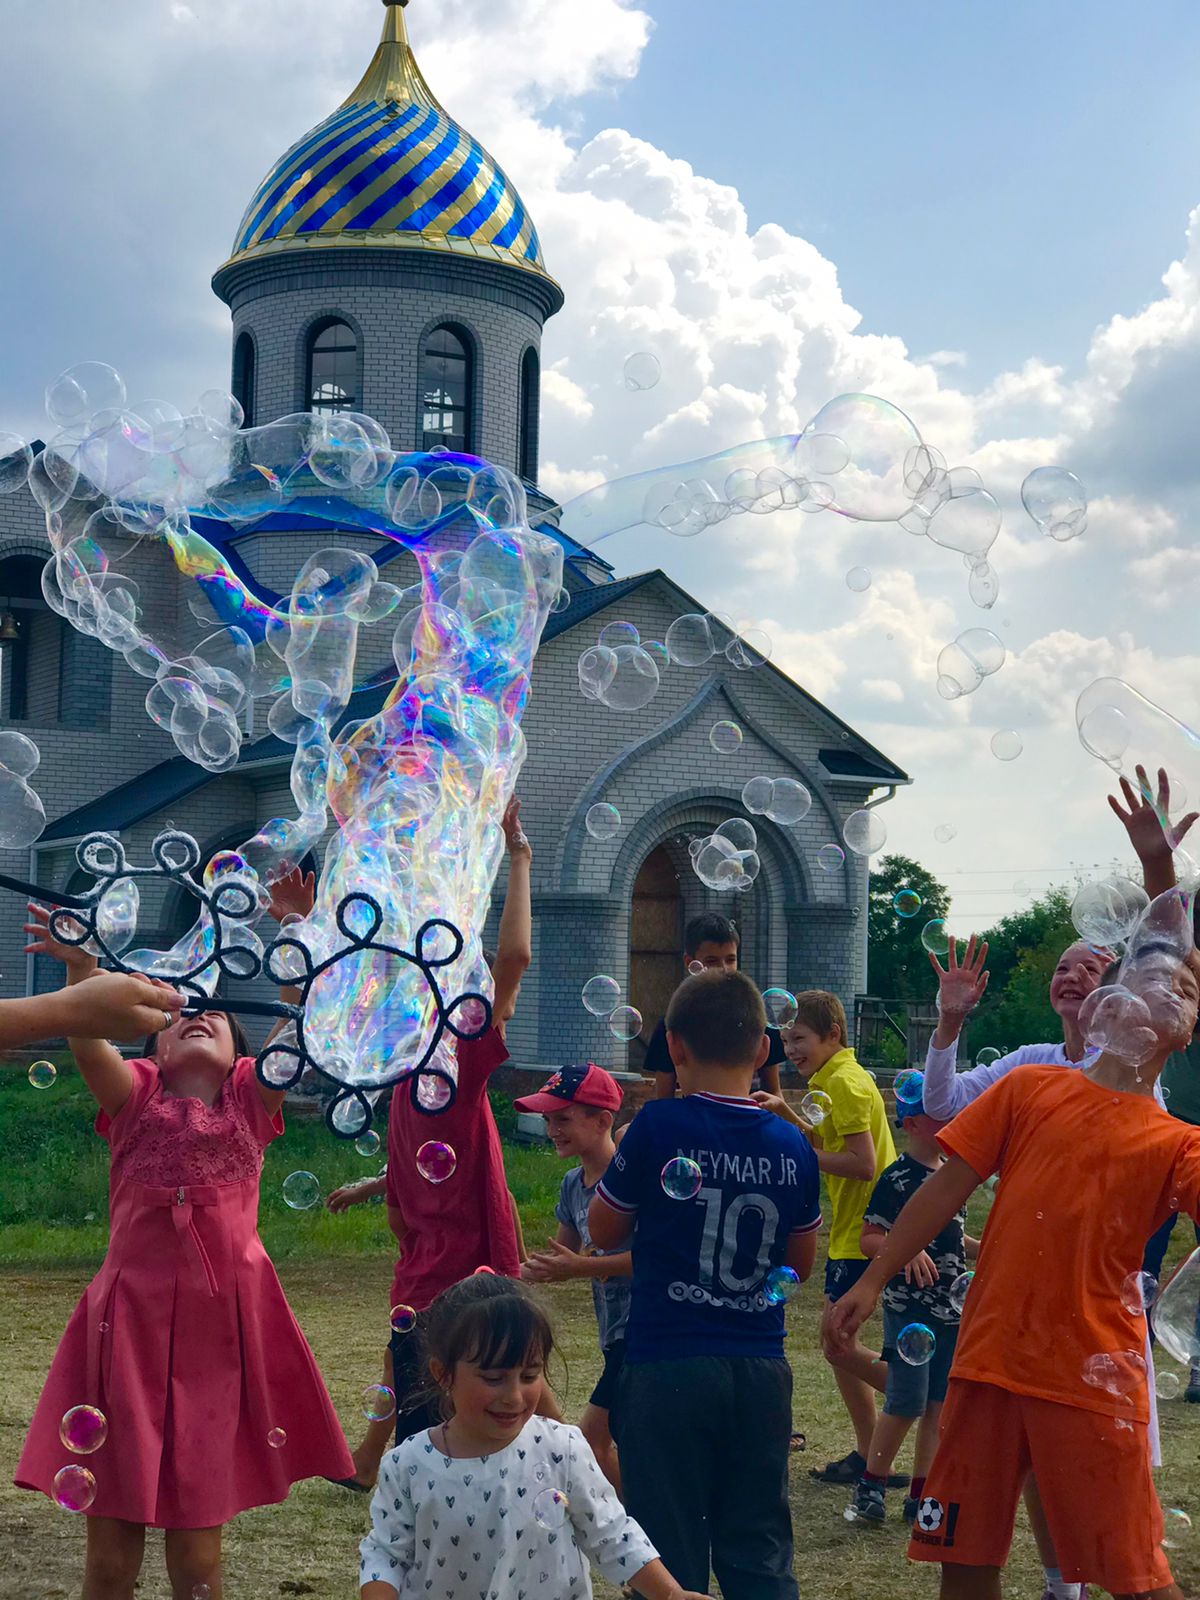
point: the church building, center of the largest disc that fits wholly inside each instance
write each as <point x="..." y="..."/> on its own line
<point x="386" y="264"/>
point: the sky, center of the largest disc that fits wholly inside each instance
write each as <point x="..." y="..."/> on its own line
<point x="982" y="214"/>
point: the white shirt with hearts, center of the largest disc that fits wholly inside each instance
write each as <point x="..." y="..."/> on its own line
<point x="522" y="1524"/>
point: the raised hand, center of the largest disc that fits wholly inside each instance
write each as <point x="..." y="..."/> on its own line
<point x="75" y="958"/>
<point x="1147" y="821"/>
<point x="961" y="985"/>
<point x="514" y="833"/>
<point x="294" y="894"/>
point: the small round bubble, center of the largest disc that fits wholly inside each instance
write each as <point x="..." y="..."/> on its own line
<point x="601" y="995"/>
<point x="550" y="1508"/>
<point x="959" y="1290"/>
<point x="83" y="1429"/>
<point x="944" y="832"/>
<point x="916" y="1344"/>
<point x="602" y="821"/>
<point x="934" y="937"/>
<point x="202" y="1592"/>
<point x="1177" y="1528"/>
<point x="780" y="1285"/>
<point x="277" y="1438"/>
<point x="1139" y="1292"/>
<point x="681" y="1178"/>
<point x="780" y="1005"/>
<point x="367" y="1144"/>
<point x="689" y="640"/>
<point x="815" y="1107"/>
<point x="378" y="1402"/>
<point x="74" y="1488"/>
<point x="858" y="580"/>
<point x="695" y="968"/>
<point x="301" y="1190"/>
<point x="436" y="1161"/>
<point x="865" y="832"/>
<point x="725" y="738"/>
<point x="1167" y="1384"/>
<point x="909" y="1087"/>
<point x="625" y="1023"/>
<point x="987" y="1055"/>
<point x="1006" y="745"/>
<point x="42" y="1074"/>
<point x="613" y="634"/>
<point x="643" y="370"/>
<point x="404" y="1319"/>
<point x="906" y="902"/>
<point x="831" y="858"/>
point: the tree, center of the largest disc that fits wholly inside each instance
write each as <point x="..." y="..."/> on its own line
<point x="898" y="966"/>
<point x="1023" y="951"/>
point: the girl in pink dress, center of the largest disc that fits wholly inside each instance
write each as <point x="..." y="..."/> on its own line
<point x="184" y="1340"/>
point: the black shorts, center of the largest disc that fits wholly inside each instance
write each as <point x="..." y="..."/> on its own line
<point x="416" y="1406"/>
<point x="605" y="1392"/>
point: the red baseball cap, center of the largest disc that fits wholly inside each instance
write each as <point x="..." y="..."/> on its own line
<point x="588" y="1085"/>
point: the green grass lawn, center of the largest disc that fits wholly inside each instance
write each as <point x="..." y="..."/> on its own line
<point x="336" y="1271"/>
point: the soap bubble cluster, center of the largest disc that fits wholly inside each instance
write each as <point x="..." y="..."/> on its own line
<point x="785" y="801"/>
<point x="963" y="665"/>
<point x="617" y="671"/>
<point x="727" y="858"/>
<point x="1117" y="1372"/>
<point x="1140" y="1012"/>
<point x="1175" y="1314"/>
<point x="1056" y="501"/>
<point x="1105" y="912"/>
<point x="22" y="816"/>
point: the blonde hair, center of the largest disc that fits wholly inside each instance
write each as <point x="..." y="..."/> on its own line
<point x="823" y="1012"/>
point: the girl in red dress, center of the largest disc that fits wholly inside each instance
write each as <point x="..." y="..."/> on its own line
<point x="184" y="1340"/>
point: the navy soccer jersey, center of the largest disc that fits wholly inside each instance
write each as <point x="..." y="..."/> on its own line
<point x="700" y="1265"/>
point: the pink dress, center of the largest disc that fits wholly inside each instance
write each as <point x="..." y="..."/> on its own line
<point x="184" y="1339"/>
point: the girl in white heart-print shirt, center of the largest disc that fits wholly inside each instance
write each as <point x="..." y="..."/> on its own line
<point x="497" y="1501"/>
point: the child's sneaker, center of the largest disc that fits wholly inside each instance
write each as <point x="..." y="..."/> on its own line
<point x="1192" y="1393"/>
<point x="910" y="1508"/>
<point x="868" y="1504"/>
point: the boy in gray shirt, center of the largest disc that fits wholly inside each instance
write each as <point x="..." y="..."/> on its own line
<point x="579" y="1104"/>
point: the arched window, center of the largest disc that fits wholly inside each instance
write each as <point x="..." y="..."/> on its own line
<point x="527" y="416"/>
<point x="243" y="376"/>
<point x="332" y="368"/>
<point x="446" y="381"/>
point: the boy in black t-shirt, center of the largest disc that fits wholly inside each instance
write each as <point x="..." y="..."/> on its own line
<point x="710" y="942"/>
<point x="924" y="1300"/>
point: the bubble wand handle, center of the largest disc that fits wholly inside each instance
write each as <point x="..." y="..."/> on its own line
<point x="244" y="1008"/>
<point x="52" y="897"/>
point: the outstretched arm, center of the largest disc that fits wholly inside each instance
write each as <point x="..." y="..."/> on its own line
<point x="514" y="947"/>
<point x="961" y="986"/>
<point x="1147" y="822"/>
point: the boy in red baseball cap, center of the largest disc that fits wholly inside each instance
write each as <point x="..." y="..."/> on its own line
<point x="579" y="1104"/>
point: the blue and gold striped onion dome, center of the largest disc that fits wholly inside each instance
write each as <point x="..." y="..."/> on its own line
<point x="390" y="168"/>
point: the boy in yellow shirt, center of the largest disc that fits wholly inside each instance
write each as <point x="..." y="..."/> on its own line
<point x="853" y="1142"/>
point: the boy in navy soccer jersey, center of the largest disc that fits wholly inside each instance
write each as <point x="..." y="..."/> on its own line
<point x="705" y="1396"/>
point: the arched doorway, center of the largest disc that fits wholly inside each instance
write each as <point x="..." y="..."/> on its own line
<point x="655" y="942"/>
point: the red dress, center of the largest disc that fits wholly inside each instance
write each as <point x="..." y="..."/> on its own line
<point x="184" y="1339"/>
<point x="465" y="1222"/>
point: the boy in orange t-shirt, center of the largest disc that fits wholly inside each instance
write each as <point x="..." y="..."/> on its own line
<point x="1048" y="1375"/>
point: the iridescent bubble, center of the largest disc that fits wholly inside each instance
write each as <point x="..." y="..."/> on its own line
<point x="906" y="902"/>
<point x="689" y="641"/>
<point x="378" y="1402"/>
<point x="987" y="1055"/>
<point x="83" y="1429"/>
<point x="301" y="1190"/>
<point x="915" y="1344"/>
<point x="865" y="832"/>
<point x="1177" y="1527"/>
<point x="815" y="1106"/>
<point x="74" y="1488"/>
<point x="601" y="995"/>
<point x="877" y="439"/>
<point x="909" y="1087"/>
<point x="658" y="651"/>
<point x="780" y="1006"/>
<point x="367" y="1144"/>
<point x="858" y="580"/>
<point x="935" y="938"/>
<point x="277" y="1438"/>
<point x="1057" y="502"/>
<point x="780" y="1284"/>
<point x="756" y="795"/>
<point x="1117" y="1373"/>
<point x="43" y="1074"/>
<point x="602" y="821"/>
<point x="725" y="738"/>
<point x="625" y="1023"/>
<point x="681" y="1178"/>
<point x="613" y="634"/>
<point x="959" y="1290"/>
<point x="436" y="1161"/>
<point x="944" y="832"/>
<point x="642" y="371"/>
<point x="404" y="1319"/>
<point x="551" y="1508"/>
<point x="1006" y="745"/>
<point x="790" y="802"/>
<point x="1138" y="1293"/>
<point x="831" y="857"/>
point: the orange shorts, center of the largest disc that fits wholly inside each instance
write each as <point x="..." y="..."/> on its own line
<point x="1094" y="1477"/>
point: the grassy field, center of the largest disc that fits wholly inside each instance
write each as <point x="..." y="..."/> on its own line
<point x="336" y="1272"/>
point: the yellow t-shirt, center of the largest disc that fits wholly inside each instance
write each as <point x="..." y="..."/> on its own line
<point x="857" y="1108"/>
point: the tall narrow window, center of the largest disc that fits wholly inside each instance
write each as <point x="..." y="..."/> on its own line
<point x="333" y="369"/>
<point x="527" y="416"/>
<point x="446" y="379"/>
<point x="243" y="376"/>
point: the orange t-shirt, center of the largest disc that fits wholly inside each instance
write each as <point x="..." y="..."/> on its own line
<point x="1086" y="1176"/>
